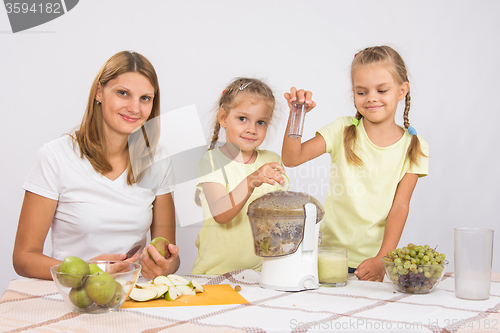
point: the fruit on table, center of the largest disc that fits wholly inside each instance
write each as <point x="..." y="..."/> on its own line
<point x="415" y="268"/>
<point x="170" y="287"/>
<point x="119" y="294"/>
<point x="161" y="245"/>
<point x="172" y="294"/>
<point x="79" y="298"/>
<point x="75" y="266"/>
<point x="100" y="287"/>
<point x="94" y="268"/>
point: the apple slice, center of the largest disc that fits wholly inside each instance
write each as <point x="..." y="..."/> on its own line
<point x="177" y="280"/>
<point x="142" y="295"/>
<point x="196" y="286"/>
<point x="185" y="290"/>
<point x="161" y="279"/>
<point x="160" y="289"/>
<point x="172" y="294"/>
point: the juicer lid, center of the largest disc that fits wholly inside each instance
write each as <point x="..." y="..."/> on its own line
<point x="284" y="204"/>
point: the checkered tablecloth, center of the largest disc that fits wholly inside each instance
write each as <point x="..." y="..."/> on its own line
<point x="31" y="305"/>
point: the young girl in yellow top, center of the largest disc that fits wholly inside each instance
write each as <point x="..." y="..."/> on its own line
<point x="375" y="162"/>
<point x="231" y="176"/>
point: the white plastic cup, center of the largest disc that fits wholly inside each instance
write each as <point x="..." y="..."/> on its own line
<point x="297" y="117"/>
<point x="332" y="266"/>
<point x="473" y="263"/>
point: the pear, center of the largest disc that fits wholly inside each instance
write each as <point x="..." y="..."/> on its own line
<point x="94" y="268"/>
<point x="76" y="268"/>
<point x="118" y="296"/>
<point x="101" y="287"/>
<point x="160" y="289"/>
<point x="185" y="290"/>
<point x="177" y="279"/>
<point x="161" y="279"/>
<point x="79" y="297"/>
<point x="142" y="295"/>
<point x="172" y="294"/>
<point x="196" y="286"/>
<point x="161" y="245"/>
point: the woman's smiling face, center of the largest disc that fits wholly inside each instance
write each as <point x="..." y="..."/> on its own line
<point x="127" y="102"/>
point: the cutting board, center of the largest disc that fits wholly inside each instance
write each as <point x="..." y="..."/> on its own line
<point x="220" y="294"/>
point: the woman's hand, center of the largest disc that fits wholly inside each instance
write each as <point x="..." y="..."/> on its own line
<point x="370" y="269"/>
<point x="301" y="96"/>
<point x="269" y="173"/>
<point x="117" y="257"/>
<point x="159" y="265"/>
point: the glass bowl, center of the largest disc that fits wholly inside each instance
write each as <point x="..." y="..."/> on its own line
<point x="421" y="280"/>
<point x="103" y="291"/>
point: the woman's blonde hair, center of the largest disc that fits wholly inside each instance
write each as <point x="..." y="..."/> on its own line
<point x="90" y="135"/>
<point x="231" y="97"/>
<point x="396" y="66"/>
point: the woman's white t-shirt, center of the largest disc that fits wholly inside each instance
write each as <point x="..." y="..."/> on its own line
<point x="94" y="215"/>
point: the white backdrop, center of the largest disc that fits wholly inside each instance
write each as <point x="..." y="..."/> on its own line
<point x="451" y="49"/>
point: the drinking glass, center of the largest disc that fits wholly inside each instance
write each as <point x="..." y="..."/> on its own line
<point x="473" y="261"/>
<point x="297" y="116"/>
<point x="332" y="266"/>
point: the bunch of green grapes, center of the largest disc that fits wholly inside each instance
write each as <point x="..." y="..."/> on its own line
<point x="415" y="268"/>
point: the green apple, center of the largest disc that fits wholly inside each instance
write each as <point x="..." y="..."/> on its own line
<point x="101" y="287"/>
<point x="118" y="296"/>
<point x="94" y="268"/>
<point x="161" y="245"/>
<point x="76" y="268"/>
<point x="79" y="297"/>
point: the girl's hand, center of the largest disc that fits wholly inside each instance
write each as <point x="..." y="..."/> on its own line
<point x="301" y="96"/>
<point x="370" y="269"/>
<point x="269" y="173"/>
<point x="159" y="265"/>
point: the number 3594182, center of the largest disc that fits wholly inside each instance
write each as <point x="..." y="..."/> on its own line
<point x="43" y="7"/>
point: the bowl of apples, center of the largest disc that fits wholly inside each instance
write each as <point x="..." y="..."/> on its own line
<point x="94" y="286"/>
<point x="415" y="269"/>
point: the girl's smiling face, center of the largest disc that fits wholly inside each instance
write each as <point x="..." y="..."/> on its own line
<point x="376" y="93"/>
<point x="246" y="124"/>
<point x="126" y="103"/>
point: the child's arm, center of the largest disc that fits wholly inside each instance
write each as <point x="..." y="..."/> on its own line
<point x="225" y="206"/>
<point x="372" y="268"/>
<point x="294" y="152"/>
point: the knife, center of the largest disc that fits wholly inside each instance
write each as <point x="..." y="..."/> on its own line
<point x="134" y="250"/>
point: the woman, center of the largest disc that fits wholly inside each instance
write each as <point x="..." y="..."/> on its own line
<point x="96" y="188"/>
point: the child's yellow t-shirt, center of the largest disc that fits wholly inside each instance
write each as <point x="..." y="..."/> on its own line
<point x="360" y="198"/>
<point x="227" y="247"/>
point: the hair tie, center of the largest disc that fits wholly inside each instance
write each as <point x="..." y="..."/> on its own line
<point x="355" y="122"/>
<point x="243" y="86"/>
<point x="412" y="130"/>
<point x="223" y="91"/>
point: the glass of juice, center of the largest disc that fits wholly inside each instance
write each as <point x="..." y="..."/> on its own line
<point x="332" y="266"/>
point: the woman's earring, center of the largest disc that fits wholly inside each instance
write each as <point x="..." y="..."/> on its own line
<point x="98" y="102"/>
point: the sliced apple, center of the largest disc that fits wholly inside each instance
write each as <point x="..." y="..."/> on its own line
<point x="185" y="290"/>
<point x="161" y="279"/>
<point x="142" y="295"/>
<point x="177" y="280"/>
<point x="172" y="294"/>
<point x="196" y="286"/>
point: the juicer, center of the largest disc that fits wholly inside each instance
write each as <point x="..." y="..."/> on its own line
<point x="285" y="228"/>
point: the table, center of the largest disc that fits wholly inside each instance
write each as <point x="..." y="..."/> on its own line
<point x="32" y="305"/>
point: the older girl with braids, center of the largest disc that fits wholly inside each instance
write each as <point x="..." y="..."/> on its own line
<point x="375" y="162"/>
<point x="232" y="174"/>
